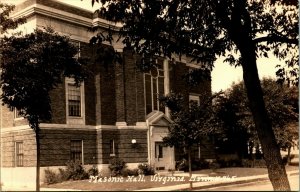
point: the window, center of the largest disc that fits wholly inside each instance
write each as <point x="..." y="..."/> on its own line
<point x="158" y="150"/>
<point x="76" y="150"/>
<point x="17" y="114"/>
<point x="75" y="109"/>
<point x="194" y="99"/>
<point x="78" y="46"/>
<point x="74" y="100"/>
<point x="154" y="87"/>
<point x="19" y="154"/>
<point x="112" y="148"/>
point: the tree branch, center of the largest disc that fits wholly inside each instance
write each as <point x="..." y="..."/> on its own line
<point x="275" y="38"/>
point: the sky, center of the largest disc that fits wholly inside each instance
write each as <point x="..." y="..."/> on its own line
<point x="223" y="75"/>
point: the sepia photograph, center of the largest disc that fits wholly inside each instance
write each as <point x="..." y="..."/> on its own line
<point x="149" y="95"/>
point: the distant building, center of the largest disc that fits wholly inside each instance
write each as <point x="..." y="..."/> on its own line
<point x="115" y="113"/>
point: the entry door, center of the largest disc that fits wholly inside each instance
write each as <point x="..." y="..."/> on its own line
<point x="161" y="156"/>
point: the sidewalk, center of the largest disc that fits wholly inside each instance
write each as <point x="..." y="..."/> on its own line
<point x="204" y="182"/>
<point x="220" y="182"/>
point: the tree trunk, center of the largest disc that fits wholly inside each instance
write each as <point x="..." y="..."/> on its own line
<point x="240" y="31"/>
<point x="37" y="138"/>
<point x="289" y="155"/>
<point x="271" y="151"/>
<point x="190" y="167"/>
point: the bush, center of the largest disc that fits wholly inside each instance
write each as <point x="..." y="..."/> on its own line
<point x="230" y="162"/>
<point x="146" y="169"/>
<point x="182" y="165"/>
<point x="76" y="171"/>
<point x="51" y="177"/>
<point x="197" y="164"/>
<point x="259" y="163"/>
<point x="200" y="164"/>
<point x="93" y="171"/>
<point x="64" y="176"/>
<point x="116" y="166"/>
<point x="129" y="172"/>
<point x="214" y="165"/>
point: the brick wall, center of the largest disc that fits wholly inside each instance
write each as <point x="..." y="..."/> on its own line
<point x="120" y="94"/>
<point x="55" y="146"/>
<point x="8" y="147"/>
<point x="134" y="89"/>
<point x="58" y="104"/>
<point x="108" y="94"/>
<point x="178" y="84"/>
<point x="133" y="153"/>
<point x="87" y="54"/>
<point x="7" y="116"/>
<point x="125" y="150"/>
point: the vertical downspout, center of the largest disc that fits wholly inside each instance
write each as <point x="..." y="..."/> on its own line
<point x="149" y="142"/>
<point x="124" y="86"/>
<point x="1" y="119"/>
<point x="166" y="83"/>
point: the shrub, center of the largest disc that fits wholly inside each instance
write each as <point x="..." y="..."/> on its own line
<point x="93" y="171"/>
<point x="116" y="166"/>
<point x="64" y="176"/>
<point x="229" y="162"/>
<point x="197" y="164"/>
<point x="146" y="169"/>
<point x="214" y="165"/>
<point x="51" y="177"/>
<point x="129" y="172"/>
<point x="76" y="171"/>
<point x="259" y="163"/>
<point x="182" y="165"/>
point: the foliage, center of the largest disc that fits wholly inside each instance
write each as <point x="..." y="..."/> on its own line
<point x="197" y="164"/>
<point x="214" y="166"/>
<point x="39" y="62"/>
<point x="75" y="170"/>
<point x="129" y="172"/>
<point x="51" y="177"/>
<point x="146" y="169"/>
<point x="31" y="66"/>
<point x="64" y="175"/>
<point x="6" y="22"/>
<point x="116" y="166"/>
<point x="93" y="171"/>
<point x="204" y="29"/>
<point x="281" y="106"/>
<point x="229" y="162"/>
<point x="190" y="123"/>
<point x="260" y="163"/>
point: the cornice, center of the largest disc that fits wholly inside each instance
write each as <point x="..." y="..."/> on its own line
<point x="54" y="13"/>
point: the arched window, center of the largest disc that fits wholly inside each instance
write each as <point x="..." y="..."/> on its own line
<point x="154" y="87"/>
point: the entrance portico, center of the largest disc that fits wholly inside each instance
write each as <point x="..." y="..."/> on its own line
<point x="160" y="156"/>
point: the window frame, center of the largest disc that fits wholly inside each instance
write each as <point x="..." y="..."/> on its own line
<point x="73" y="150"/>
<point x="112" y="148"/>
<point x="159" y="150"/>
<point x="16" y="116"/>
<point x="75" y="119"/>
<point x="194" y="98"/>
<point x="155" y="85"/>
<point x="19" y="153"/>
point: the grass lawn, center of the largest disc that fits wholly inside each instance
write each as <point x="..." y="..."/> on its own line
<point x="124" y="185"/>
<point x="145" y="183"/>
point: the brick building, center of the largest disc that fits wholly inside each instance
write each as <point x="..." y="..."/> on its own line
<point x="115" y="113"/>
